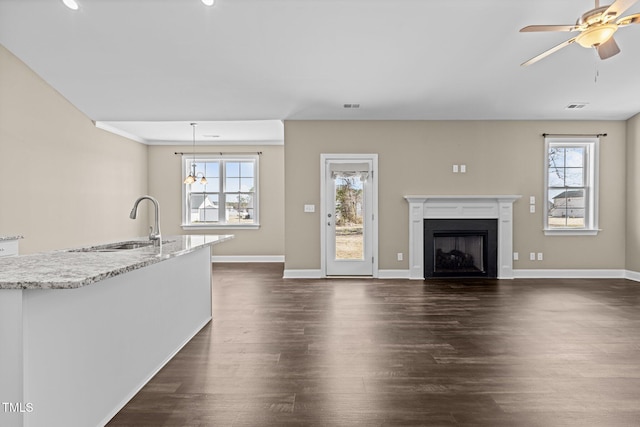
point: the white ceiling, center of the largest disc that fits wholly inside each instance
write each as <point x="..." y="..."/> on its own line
<point x="155" y="61"/>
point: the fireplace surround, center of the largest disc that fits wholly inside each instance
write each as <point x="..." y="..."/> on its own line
<point x="499" y="207"/>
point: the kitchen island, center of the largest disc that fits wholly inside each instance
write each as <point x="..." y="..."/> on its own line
<point x="81" y="331"/>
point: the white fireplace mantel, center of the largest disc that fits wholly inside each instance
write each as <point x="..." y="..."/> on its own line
<point x="499" y="207"/>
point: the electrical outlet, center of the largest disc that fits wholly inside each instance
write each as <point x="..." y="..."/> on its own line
<point x="532" y="200"/>
<point x="516" y="256"/>
<point x="400" y="256"/>
<point x="532" y="256"/>
<point x="455" y="168"/>
<point x="532" y="208"/>
<point x="309" y="208"/>
<point x="539" y="256"/>
<point x="463" y="168"/>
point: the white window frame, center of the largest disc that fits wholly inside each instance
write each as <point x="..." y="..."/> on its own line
<point x="187" y="161"/>
<point x="591" y="167"/>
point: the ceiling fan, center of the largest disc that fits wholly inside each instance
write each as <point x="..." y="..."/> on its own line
<point x="596" y="28"/>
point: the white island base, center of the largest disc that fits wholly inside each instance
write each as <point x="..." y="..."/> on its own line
<point x="75" y="357"/>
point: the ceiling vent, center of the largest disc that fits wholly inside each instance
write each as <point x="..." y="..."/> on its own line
<point x="576" y="106"/>
<point x="351" y="105"/>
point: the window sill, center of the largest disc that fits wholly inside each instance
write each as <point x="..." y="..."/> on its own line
<point x="221" y="227"/>
<point x="571" y="232"/>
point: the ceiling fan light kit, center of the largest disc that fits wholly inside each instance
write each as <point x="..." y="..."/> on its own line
<point x="594" y="36"/>
<point x="596" y="28"/>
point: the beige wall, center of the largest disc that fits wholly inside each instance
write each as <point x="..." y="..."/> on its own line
<point x="633" y="194"/>
<point x="165" y="183"/>
<point x="415" y="157"/>
<point x="63" y="183"/>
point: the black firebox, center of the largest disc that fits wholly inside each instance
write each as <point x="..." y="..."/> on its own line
<point x="460" y="248"/>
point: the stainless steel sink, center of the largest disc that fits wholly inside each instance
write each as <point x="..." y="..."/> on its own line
<point x="120" y="246"/>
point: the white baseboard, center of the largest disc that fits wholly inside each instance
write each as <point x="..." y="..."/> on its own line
<point x="569" y="274"/>
<point x="302" y="274"/>
<point x="632" y="275"/>
<point x="317" y="274"/>
<point x="247" y="258"/>
<point x="393" y="274"/>
<point x="517" y="274"/>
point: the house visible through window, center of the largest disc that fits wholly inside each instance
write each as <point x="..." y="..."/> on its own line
<point x="571" y="186"/>
<point x="228" y="198"/>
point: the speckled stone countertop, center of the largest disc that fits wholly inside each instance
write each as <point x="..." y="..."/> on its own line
<point x="15" y="237"/>
<point x="74" y="268"/>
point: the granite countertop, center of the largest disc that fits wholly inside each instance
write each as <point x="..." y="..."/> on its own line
<point x="14" y="237"/>
<point x="74" y="268"/>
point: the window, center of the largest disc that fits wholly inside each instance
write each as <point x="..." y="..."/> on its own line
<point x="571" y="186"/>
<point x="229" y="198"/>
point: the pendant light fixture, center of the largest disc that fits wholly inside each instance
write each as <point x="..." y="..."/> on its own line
<point x="193" y="176"/>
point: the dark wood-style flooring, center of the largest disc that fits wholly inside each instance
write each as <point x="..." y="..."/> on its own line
<point x="354" y="352"/>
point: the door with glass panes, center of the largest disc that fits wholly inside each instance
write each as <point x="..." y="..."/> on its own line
<point x="348" y="217"/>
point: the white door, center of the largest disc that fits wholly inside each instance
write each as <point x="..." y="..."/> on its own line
<point x="349" y="217"/>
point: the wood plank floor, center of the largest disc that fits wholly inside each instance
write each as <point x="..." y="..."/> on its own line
<point x="353" y="352"/>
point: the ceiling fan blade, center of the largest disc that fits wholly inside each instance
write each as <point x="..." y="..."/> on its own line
<point x="618" y="7"/>
<point x="537" y="28"/>
<point x="627" y="20"/>
<point x="548" y="52"/>
<point x="608" y="49"/>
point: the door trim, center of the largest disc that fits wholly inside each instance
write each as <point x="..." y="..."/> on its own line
<point x="324" y="158"/>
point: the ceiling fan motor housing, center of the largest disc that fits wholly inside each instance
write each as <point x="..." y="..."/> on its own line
<point x="594" y="16"/>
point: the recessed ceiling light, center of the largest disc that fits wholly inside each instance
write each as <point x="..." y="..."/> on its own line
<point x="71" y="4"/>
<point x="208" y="2"/>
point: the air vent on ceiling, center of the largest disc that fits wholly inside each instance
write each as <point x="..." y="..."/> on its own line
<point x="576" y="106"/>
<point x="351" y="105"/>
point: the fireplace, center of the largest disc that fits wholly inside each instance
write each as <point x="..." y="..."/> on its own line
<point x="460" y="248"/>
<point x="498" y="208"/>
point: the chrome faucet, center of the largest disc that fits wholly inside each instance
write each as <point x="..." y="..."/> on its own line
<point x="154" y="233"/>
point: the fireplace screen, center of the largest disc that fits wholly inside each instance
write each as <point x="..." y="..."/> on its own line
<point x="459" y="252"/>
